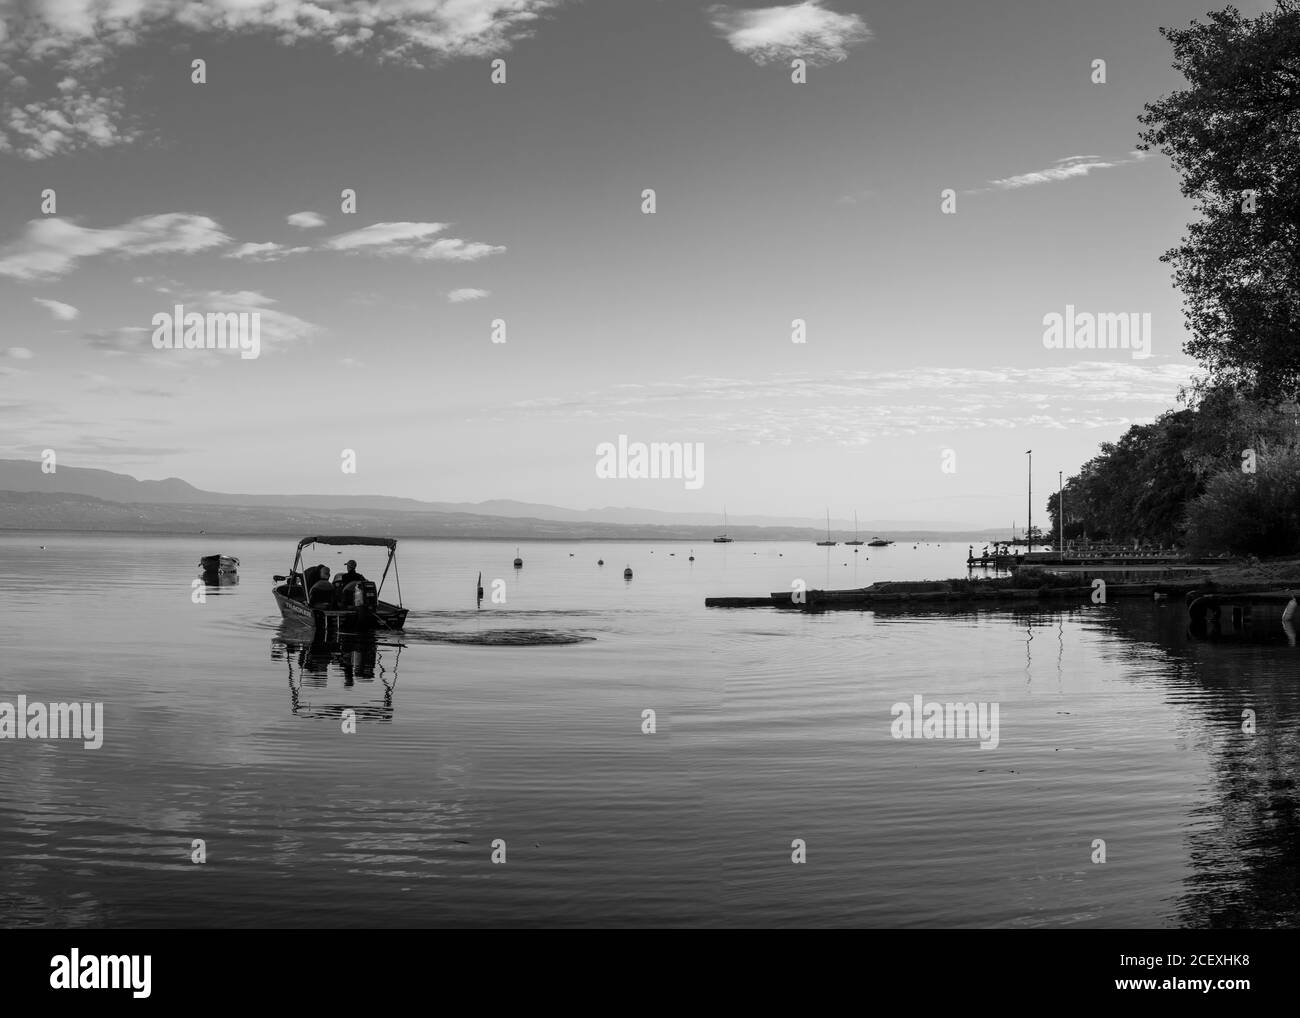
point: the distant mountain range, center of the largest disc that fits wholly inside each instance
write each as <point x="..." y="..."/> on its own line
<point x="79" y="498"/>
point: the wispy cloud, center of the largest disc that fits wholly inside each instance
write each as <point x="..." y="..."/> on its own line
<point x="72" y="117"/>
<point x="857" y="408"/>
<point x="63" y="312"/>
<point x="51" y="247"/>
<point x="466" y="293"/>
<point x="130" y="339"/>
<point x="103" y="385"/>
<point x="266" y="252"/>
<point x="305" y="220"/>
<point x="806" y="30"/>
<point x="1063" y="169"/>
<point x="277" y="327"/>
<point x="19" y="353"/>
<point x="856" y="197"/>
<point x="410" y="240"/>
<point x="76" y="43"/>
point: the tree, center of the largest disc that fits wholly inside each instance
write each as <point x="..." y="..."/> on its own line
<point x="1232" y="133"/>
<point x="1250" y="514"/>
<point x="1140" y="486"/>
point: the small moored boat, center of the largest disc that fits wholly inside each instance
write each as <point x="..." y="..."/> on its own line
<point x="828" y="543"/>
<point x="219" y="563"/>
<point x="723" y="538"/>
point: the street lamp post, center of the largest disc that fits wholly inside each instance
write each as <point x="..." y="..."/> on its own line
<point x="1029" y="530"/>
<point x="1060" y="511"/>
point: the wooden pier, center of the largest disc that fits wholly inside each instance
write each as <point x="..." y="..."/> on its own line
<point x="963" y="594"/>
<point x="940" y="594"/>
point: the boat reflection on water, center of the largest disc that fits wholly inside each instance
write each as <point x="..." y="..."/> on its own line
<point x="354" y="659"/>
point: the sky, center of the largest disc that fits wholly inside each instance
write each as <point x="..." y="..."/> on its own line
<point x="922" y="378"/>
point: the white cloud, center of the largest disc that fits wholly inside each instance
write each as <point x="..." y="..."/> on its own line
<point x="77" y="41"/>
<point x="410" y="240"/>
<point x="71" y="120"/>
<point x="305" y="220"/>
<point x="806" y="30"/>
<point x="276" y="327"/>
<point x="63" y="312"/>
<point x="384" y="236"/>
<point x="857" y="408"/>
<point x="131" y="339"/>
<point x="266" y="252"/>
<point x="466" y="293"/>
<point x="51" y="247"/>
<point x="19" y="353"/>
<point x="1063" y="169"/>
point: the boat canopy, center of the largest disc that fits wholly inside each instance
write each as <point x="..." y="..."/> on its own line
<point x="376" y="542"/>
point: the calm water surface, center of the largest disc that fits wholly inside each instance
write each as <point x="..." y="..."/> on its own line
<point x="523" y="722"/>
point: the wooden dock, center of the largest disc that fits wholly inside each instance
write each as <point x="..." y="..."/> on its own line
<point x="882" y="594"/>
<point x="960" y="594"/>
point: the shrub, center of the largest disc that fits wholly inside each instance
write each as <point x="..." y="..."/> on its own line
<point x="1249" y="514"/>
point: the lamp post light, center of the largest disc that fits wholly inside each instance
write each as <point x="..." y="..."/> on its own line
<point x="1060" y="512"/>
<point x="1029" y="530"/>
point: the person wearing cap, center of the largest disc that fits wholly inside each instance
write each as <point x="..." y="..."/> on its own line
<point x="351" y="576"/>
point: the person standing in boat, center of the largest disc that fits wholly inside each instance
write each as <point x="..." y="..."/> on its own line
<point x="321" y="593"/>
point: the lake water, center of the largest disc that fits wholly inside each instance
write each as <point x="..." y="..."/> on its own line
<point x="1113" y="725"/>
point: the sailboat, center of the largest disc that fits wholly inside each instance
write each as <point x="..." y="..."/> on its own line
<point x="723" y="538"/>
<point x="855" y="529"/>
<point x="828" y="543"/>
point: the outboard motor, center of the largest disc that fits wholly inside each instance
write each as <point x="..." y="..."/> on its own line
<point x="364" y="594"/>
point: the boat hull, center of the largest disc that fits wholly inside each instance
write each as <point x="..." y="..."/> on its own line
<point x="383" y="617"/>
